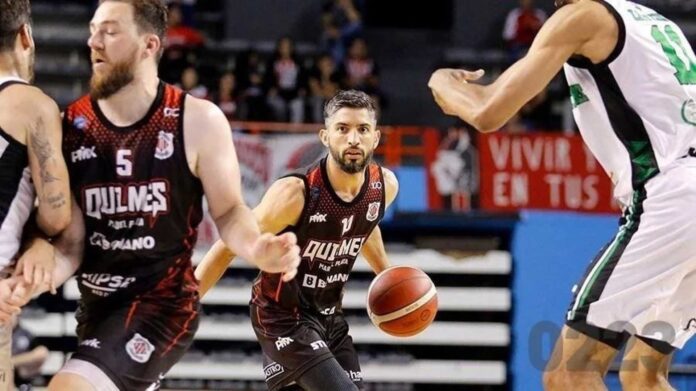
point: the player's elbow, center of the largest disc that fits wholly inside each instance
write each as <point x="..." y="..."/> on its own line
<point x="487" y="120"/>
<point x="55" y="223"/>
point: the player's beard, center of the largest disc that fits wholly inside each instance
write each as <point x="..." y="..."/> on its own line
<point x="120" y="75"/>
<point x="351" y="166"/>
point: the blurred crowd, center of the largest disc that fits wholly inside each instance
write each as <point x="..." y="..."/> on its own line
<point x="283" y="86"/>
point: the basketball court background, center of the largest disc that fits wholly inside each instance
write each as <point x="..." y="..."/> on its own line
<point x="504" y="224"/>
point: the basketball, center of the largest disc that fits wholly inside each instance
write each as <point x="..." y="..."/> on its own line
<point x="402" y="301"/>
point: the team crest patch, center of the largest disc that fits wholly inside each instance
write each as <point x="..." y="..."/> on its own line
<point x="165" y="145"/>
<point x="373" y="211"/>
<point x="139" y="348"/>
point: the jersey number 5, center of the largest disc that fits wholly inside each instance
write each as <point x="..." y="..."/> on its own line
<point x="669" y="40"/>
<point x="124" y="166"/>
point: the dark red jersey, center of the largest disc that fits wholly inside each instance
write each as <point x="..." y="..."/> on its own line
<point x="330" y="233"/>
<point x="139" y="199"/>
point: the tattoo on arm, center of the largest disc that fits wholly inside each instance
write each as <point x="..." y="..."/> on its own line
<point x="56" y="201"/>
<point x="42" y="148"/>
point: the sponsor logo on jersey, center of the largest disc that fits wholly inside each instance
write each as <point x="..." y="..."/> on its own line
<point x="272" y="370"/>
<point x="316" y="345"/>
<point x="123" y="224"/>
<point x="328" y="311"/>
<point x="283" y="342"/>
<point x="329" y="251"/>
<point x="150" y="198"/>
<point x="80" y="122"/>
<point x="577" y="95"/>
<point x="142" y="243"/>
<point x="103" y="284"/>
<point x="139" y="348"/>
<point x="355" y="375"/>
<point x="318" y="218"/>
<point x="171" y="112"/>
<point x="91" y="343"/>
<point x="372" y="211"/>
<point x="376" y="185"/>
<point x="83" y="154"/>
<point x="312" y="281"/>
<point x="165" y="145"/>
<point x="690" y="324"/>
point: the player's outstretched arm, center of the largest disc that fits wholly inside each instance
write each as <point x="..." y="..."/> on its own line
<point x="209" y="139"/>
<point x="280" y="207"/>
<point x="48" y="169"/>
<point x="374" y="252"/>
<point x="574" y="29"/>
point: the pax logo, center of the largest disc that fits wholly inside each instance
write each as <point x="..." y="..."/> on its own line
<point x="318" y="218"/>
<point x="283" y="342"/>
<point x="139" y="348"/>
<point x="83" y="154"/>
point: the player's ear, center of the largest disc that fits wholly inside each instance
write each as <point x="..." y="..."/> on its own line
<point x="25" y="36"/>
<point x="152" y="44"/>
<point x="324" y="137"/>
<point x="378" y="135"/>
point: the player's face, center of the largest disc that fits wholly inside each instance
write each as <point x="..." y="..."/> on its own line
<point x="351" y="137"/>
<point x="116" y="46"/>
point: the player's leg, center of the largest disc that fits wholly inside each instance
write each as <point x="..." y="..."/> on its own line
<point x="341" y="345"/>
<point x="645" y="365"/>
<point x="79" y="375"/>
<point x="327" y="375"/>
<point x="580" y="361"/>
<point x="6" y="368"/>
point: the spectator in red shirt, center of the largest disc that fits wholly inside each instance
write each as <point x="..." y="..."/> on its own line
<point x="226" y="95"/>
<point x="521" y="26"/>
<point x="180" y="46"/>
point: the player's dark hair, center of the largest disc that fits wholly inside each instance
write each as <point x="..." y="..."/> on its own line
<point x="13" y="15"/>
<point x="352" y="99"/>
<point x="150" y="16"/>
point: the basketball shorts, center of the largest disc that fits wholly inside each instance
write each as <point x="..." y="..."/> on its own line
<point x="642" y="282"/>
<point x="291" y="345"/>
<point x="135" y="346"/>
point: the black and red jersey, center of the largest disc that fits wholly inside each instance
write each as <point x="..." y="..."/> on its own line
<point x="139" y="199"/>
<point x="330" y="233"/>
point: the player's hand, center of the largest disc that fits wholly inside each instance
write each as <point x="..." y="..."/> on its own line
<point x="277" y="254"/>
<point x="13" y="294"/>
<point x="442" y="77"/>
<point x="37" y="264"/>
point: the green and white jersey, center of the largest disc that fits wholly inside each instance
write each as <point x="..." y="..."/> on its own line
<point x="637" y="110"/>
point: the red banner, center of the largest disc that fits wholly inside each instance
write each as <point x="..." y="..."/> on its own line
<point x="541" y="171"/>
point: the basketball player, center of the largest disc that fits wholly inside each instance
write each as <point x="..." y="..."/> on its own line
<point x="632" y="78"/>
<point x="141" y="154"/>
<point x="334" y="207"/>
<point x="30" y="151"/>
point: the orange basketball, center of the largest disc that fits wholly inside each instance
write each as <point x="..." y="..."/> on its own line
<point x="402" y="301"/>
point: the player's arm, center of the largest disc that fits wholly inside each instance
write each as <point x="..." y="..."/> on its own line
<point x="279" y="208"/>
<point x="374" y="252"/>
<point x="488" y="107"/>
<point x="210" y="140"/>
<point x="48" y="169"/>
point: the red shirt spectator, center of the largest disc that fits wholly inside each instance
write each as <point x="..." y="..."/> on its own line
<point x="523" y="24"/>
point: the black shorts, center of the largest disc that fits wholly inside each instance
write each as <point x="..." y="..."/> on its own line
<point x="137" y="344"/>
<point x="292" y="345"/>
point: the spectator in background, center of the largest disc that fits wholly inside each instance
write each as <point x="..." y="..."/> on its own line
<point x="27" y="356"/>
<point x="285" y="82"/>
<point x="323" y="84"/>
<point x="360" y="71"/>
<point x="226" y="95"/>
<point x="521" y="26"/>
<point x="252" y="96"/>
<point x="341" y="23"/>
<point x="455" y="168"/>
<point x="180" y="45"/>
<point x="190" y="84"/>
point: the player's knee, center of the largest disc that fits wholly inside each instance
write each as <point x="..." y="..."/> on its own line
<point x="635" y="379"/>
<point x="555" y="380"/>
<point x="69" y="381"/>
